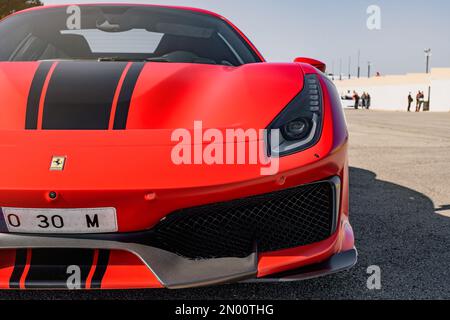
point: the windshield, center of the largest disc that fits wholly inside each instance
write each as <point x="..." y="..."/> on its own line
<point x="122" y="33"/>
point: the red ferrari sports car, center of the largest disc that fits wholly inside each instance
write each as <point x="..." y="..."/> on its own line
<point x="127" y="141"/>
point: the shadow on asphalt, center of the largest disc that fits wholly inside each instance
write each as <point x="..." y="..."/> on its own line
<point x="396" y="228"/>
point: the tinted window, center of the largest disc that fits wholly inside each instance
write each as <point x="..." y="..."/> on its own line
<point x="122" y="33"/>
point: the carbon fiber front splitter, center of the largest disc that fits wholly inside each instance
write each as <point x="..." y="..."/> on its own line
<point x="176" y="272"/>
<point x="337" y="263"/>
<point x="173" y="271"/>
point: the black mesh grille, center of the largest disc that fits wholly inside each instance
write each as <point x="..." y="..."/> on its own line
<point x="276" y="221"/>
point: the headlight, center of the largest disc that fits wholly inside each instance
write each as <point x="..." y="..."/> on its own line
<point x="299" y="125"/>
<point x="296" y="130"/>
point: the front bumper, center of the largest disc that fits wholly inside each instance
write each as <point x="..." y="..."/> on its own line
<point x="173" y="271"/>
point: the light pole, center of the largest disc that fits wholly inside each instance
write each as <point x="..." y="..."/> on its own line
<point x="333" y="71"/>
<point x="428" y="54"/>
<point x="340" y="69"/>
<point x="359" y="64"/>
<point x="349" y="67"/>
<point x="369" y="64"/>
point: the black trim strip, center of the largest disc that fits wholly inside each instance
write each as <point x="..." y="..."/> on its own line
<point x="123" y="105"/>
<point x="49" y="268"/>
<point x="3" y="226"/>
<point x="34" y="95"/>
<point x="102" y="265"/>
<point x="19" y="267"/>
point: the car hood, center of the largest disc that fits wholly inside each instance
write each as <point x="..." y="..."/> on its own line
<point x="120" y="167"/>
<point x="82" y="95"/>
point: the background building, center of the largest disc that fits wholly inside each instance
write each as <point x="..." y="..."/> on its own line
<point x="391" y="92"/>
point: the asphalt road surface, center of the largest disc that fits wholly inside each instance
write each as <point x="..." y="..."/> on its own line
<point x="400" y="210"/>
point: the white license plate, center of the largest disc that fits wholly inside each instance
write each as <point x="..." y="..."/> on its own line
<point x="72" y="221"/>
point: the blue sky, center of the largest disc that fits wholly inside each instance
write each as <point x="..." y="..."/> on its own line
<point x="332" y="30"/>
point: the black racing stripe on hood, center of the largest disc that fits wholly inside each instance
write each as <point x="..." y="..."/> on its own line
<point x="123" y="105"/>
<point x="49" y="268"/>
<point x="102" y="265"/>
<point x="34" y="95"/>
<point x="80" y="95"/>
<point x="19" y="267"/>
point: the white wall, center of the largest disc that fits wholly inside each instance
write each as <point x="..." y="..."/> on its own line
<point x="440" y="94"/>
<point x="391" y="92"/>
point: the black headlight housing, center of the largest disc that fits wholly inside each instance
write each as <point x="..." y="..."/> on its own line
<point x="299" y="126"/>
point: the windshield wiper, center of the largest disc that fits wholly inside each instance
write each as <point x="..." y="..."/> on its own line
<point x="118" y="59"/>
<point x="158" y="59"/>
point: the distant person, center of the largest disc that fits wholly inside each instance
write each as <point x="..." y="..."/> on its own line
<point x="369" y="101"/>
<point x="410" y="101"/>
<point x="363" y="100"/>
<point x="421" y="100"/>
<point x="356" y="98"/>
<point x="418" y="101"/>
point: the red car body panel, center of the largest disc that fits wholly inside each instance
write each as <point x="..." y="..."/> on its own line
<point x="132" y="171"/>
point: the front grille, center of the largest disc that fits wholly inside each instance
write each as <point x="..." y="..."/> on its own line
<point x="271" y="222"/>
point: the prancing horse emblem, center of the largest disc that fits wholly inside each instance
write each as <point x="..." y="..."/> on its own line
<point x="58" y="163"/>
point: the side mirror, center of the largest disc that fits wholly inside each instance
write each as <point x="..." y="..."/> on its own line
<point x="315" y="63"/>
